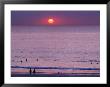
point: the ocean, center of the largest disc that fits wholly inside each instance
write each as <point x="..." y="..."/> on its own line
<point x="55" y="51"/>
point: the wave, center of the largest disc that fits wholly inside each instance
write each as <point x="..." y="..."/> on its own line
<point x="60" y="68"/>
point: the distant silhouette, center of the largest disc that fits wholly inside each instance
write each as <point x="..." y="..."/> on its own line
<point x="34" y="71"/>
<point x="21" y="61"/>
<point x="30" y="71"/>
<point x="13" y="60"/>
<point x="37" y="59"/>
<point x="55" y="60"/>
<point x="26" y="60"/>
<point x="21" y="51"/>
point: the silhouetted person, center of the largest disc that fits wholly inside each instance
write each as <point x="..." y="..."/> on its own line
<point x="21" y="51"/>
<point x="34" y="71"/>
<point x="97" y="63"/>
<point x="58" y="72"/>
<point x="30" y="71"/>
<point x="37" y="59"/>
<point x="55" y="60"/>
<point x="26" y="60"/>
<point x="21" y="61"/>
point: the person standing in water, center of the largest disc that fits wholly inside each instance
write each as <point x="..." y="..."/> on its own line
<point x="26" y="60"/>
<point x="30" y="71"/>
<point x="34" y="71"/>
<point x="37" y="59"/>
<point x="21" y="61"/>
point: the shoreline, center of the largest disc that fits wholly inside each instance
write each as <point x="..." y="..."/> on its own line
<point x="57" y="75"/>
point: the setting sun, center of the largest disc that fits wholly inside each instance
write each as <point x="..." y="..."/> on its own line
<point x="50" y="21"/>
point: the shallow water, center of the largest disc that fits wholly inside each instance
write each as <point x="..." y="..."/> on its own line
<point x="67" y="47"/>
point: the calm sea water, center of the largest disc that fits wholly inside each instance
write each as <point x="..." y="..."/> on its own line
<point x="70" y="51"/>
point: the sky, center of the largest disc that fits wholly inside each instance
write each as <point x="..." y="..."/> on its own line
<point x="61" y="18"/>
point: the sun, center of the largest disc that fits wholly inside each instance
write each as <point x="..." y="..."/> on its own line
<point x="51" y="21"/>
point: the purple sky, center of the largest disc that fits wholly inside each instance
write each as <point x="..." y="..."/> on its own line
<point x="63" y="18"/>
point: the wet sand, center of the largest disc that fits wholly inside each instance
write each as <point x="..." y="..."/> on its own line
<point x="57" y="75"/>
